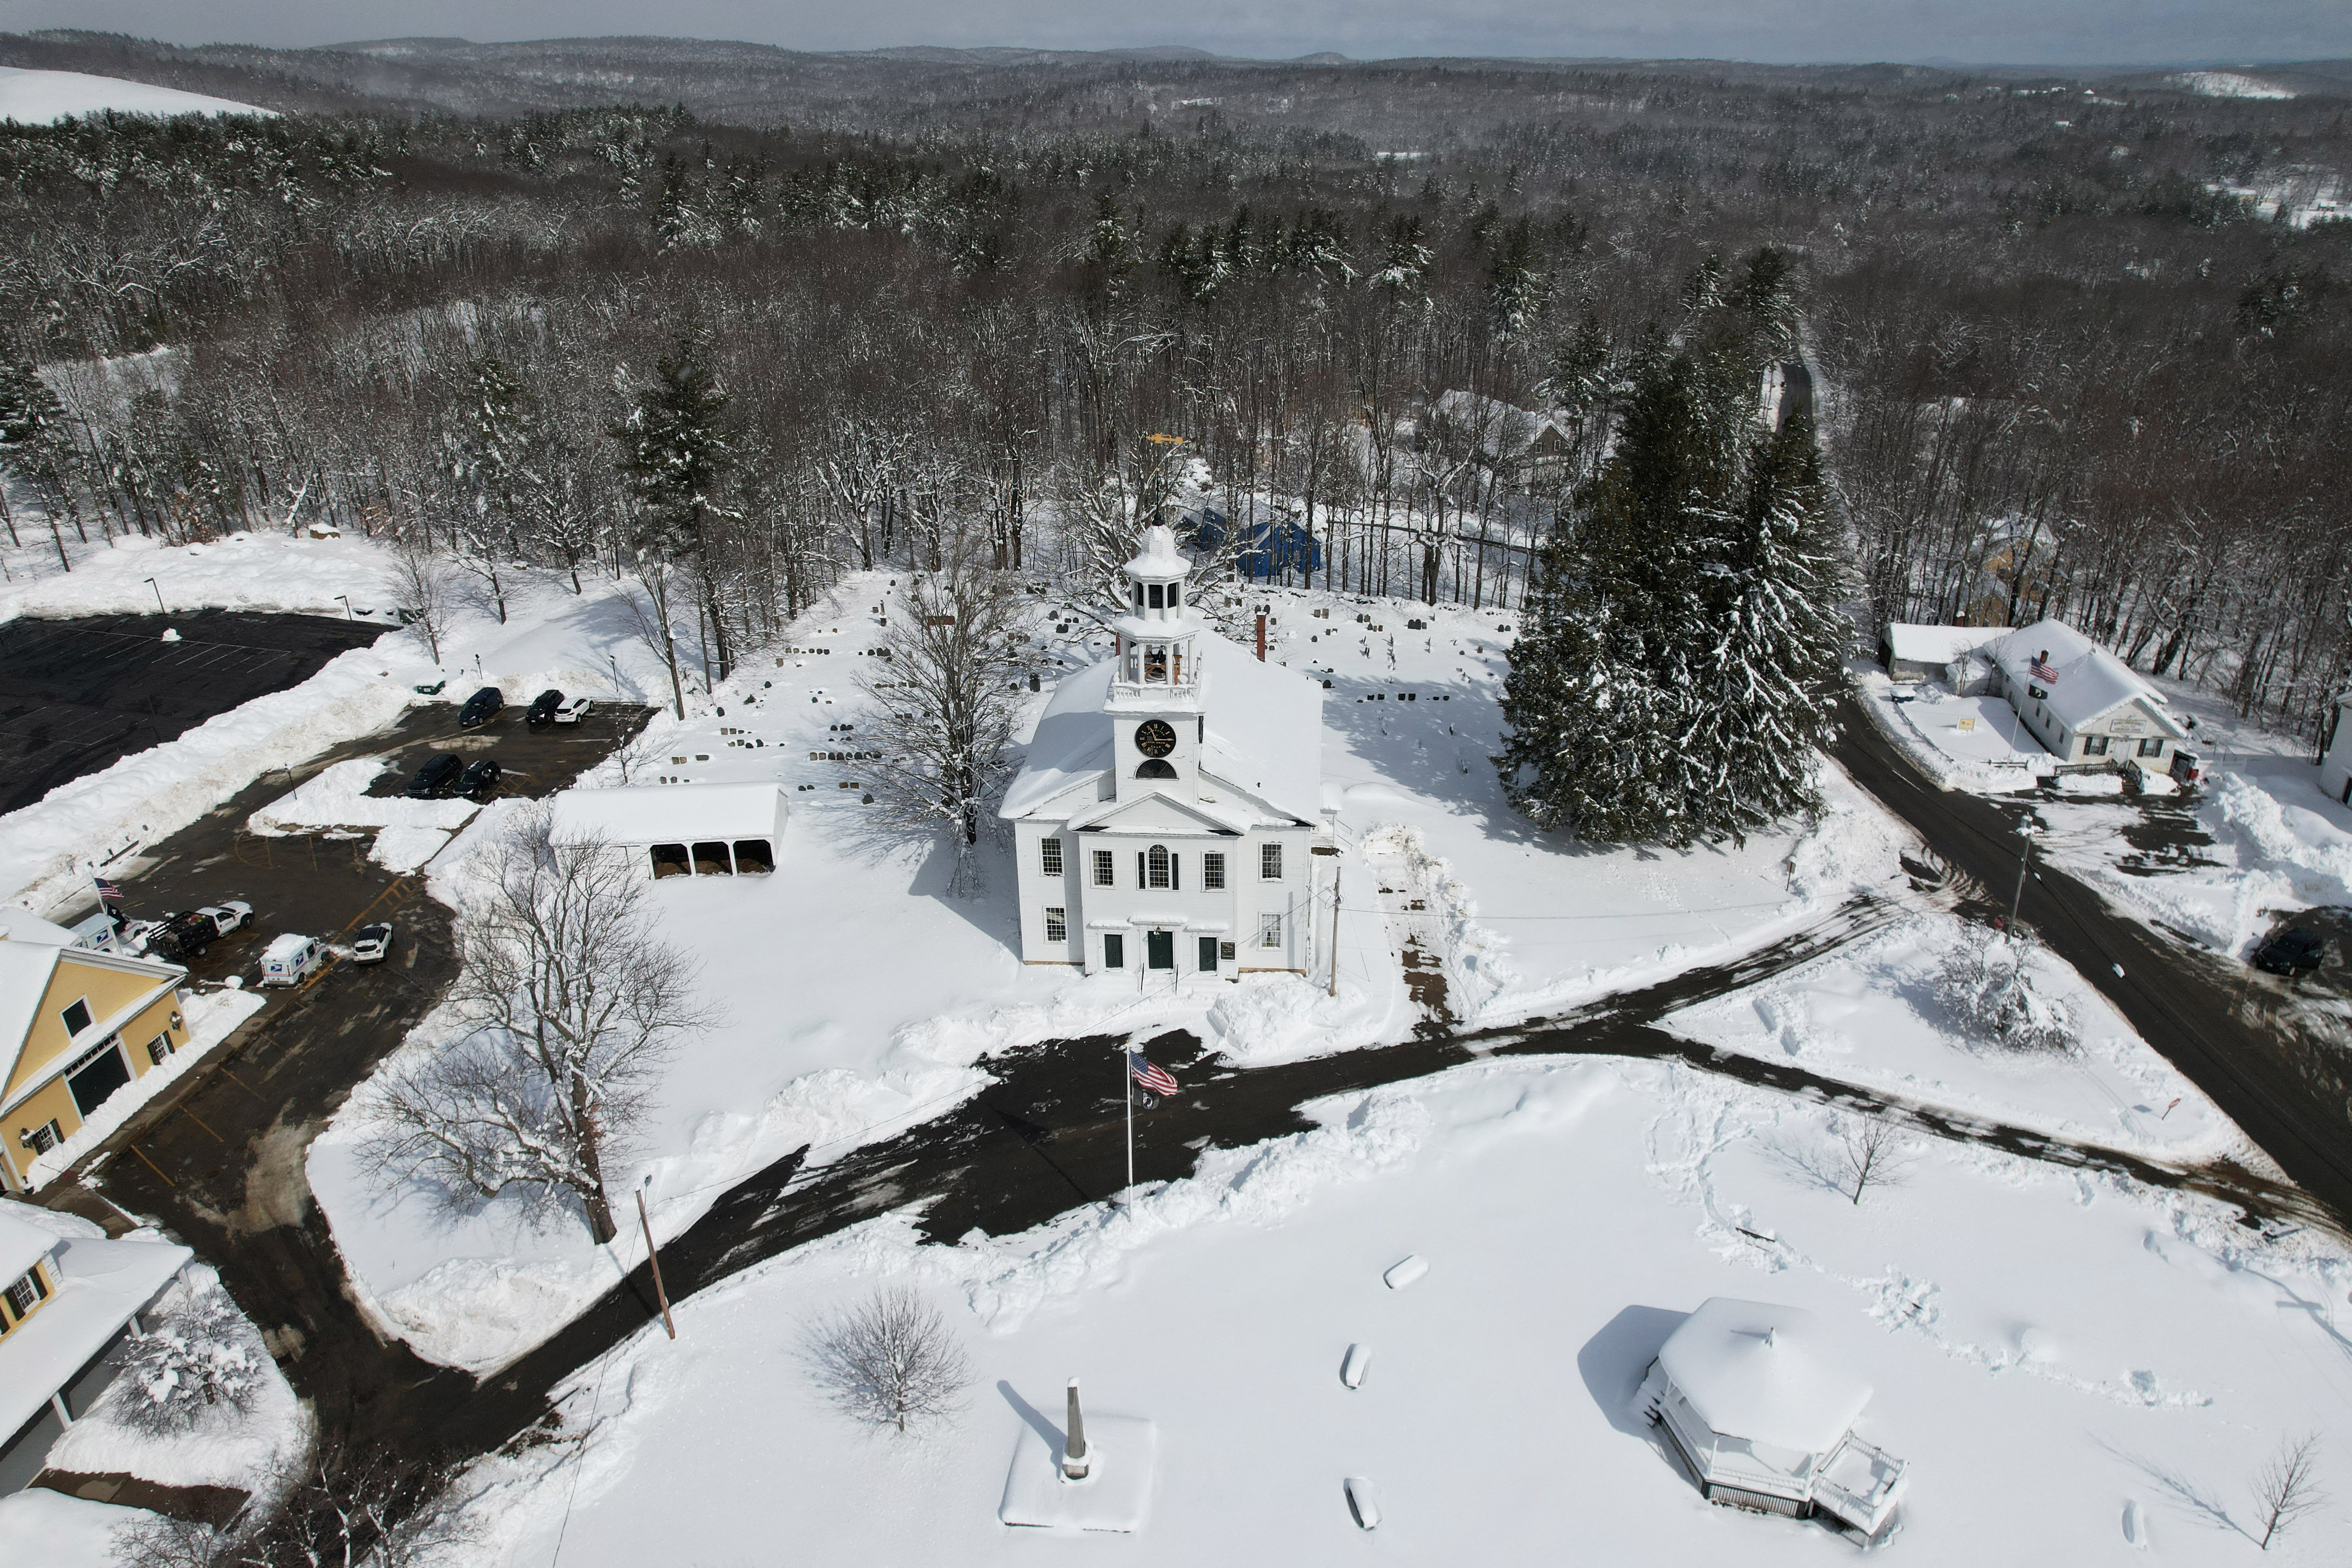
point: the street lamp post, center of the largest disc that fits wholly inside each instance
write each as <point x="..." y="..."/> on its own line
<point x="346" y="599"/>
<point x="159" y="595"/>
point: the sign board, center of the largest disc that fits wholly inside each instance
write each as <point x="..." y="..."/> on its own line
<point x="1966" y="725"/>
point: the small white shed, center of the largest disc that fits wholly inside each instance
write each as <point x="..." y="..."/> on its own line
<point x="1761" y="1408"/>
<point x="680" y="830"/>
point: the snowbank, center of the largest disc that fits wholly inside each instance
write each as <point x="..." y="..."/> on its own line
<point x="249" y="1449"/>
<point x="338" y="797"/>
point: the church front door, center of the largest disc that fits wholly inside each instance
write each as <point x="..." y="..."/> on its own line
<point x="1159" y="948"/>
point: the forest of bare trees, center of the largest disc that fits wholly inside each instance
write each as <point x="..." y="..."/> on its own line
<point x="2062" y="363"/>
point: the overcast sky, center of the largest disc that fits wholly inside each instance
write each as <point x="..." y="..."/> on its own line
<point x="2100" y="32"/>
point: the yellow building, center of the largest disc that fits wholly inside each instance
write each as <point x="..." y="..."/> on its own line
<point x="75" y="1026"/>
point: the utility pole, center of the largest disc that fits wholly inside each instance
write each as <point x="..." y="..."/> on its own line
<point x="654" y="1257"/>
<point x="1127" y="1095"/>
<point x="1335" y="928"/>
<point x="2024" y="858"/>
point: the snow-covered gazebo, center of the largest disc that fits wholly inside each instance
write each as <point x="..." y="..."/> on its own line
<point x="1759" y="1405"/>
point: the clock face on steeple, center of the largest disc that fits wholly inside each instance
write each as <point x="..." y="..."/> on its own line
<point x="1155" y="738"/>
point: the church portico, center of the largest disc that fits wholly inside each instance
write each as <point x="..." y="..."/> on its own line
<point x="1168" y="810"/>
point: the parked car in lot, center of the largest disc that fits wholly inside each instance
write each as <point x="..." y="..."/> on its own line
<point x="573" y="710"/>
<point x="372" y="943"/>
<point x="228" y="916"/>
<point x="480" y="708"/>
<point x="2291" y="953"/>
<point x="543" y="707"/>
<point x="480" y="780"/>
<point x="190" y="933"/>
<point x="290" y="960"/>
<point x="437" y="779"/>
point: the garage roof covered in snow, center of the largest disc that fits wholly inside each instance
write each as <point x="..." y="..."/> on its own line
<point x="1764" y="1373"/>
<point x="1912" y="644"/>
<point x="659" y="813"/>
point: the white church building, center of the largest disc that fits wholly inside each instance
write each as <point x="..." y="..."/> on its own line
<point x="1169" y="811"/>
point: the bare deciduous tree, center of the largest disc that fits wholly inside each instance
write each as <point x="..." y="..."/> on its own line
<point x="572" y="1002"/>
<point x="890" y="1361"/>
<point x="424" y="591"/>
<point x="948" y="697"/>
<point x="340" y="1507"/>
<point x="1869" y="1153"/>
<point x="2287" y="1488"/>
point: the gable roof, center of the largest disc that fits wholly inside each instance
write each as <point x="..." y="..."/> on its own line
<point x="1265" y="724"/>
<point x="1914" y="643"/>
<point x="25" y="969"/>
<point x="21" y="1245"/>
<point x="23" y="925"/>
<point x="2091" y="682"/>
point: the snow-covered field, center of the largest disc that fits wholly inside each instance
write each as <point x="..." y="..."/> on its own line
<point x="2048" y="1349"/>
<point x="40" y="96"/>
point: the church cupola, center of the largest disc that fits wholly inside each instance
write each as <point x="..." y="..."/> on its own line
<point x="1155" y="688"/>
<point x="1156" y="633"/>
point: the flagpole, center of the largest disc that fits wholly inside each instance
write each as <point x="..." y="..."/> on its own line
<point x="1127" y="1093"/>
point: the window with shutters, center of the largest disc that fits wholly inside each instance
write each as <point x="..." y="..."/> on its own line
<point x="28" y="1292"/>
<point x="1213" y="872"/>
<point x="1057" y="925"/>
<point x="2152" y="747"/>
<point x="1156" y="866"/>
<point x="2094" y="745"/>
<point x="1049" y="855"/>
<point x="1269" y="862"/>
<point x="1105" y="870"/>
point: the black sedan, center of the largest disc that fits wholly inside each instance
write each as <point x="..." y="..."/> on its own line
<point x="480" y="708"/>
<point x="437" y="779"/>
<point x="2292" y="952"/>
<point x="543" y="707"/>
<point x="481" y="779"/>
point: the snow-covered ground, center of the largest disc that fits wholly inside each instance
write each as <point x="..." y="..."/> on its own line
<point x="41" y="97"/>
<point x="1868" y="1014"/>
<point x="1995" y="755"/>
<point x="2048" y="1348"/>
<point x="2228" y="84"/>
<point x="869" y="1041"/>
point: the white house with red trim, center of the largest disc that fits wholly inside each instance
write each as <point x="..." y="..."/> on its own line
<point x="1170" y="803"/>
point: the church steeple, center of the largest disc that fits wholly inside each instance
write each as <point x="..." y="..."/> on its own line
<point x="1155" y="691"/>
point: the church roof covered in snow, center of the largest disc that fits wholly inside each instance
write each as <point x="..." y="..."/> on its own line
<point x="1914" y="643"/>
<point x="1764" y="1373"/>
<point x="1266" y="733"/>
<point x="2090" y="681"/>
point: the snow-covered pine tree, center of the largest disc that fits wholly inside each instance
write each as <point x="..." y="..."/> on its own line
<point x="676" y="450"/>
<point x="1599" y="687"/>
<point x="1769" y="638"/>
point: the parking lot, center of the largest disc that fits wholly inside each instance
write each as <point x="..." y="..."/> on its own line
<point x="78" y="695"/>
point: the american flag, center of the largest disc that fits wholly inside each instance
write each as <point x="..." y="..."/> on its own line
<point x="2043" y="672"/>
<point x="1155" y="1079"/>
<point x="109" y="892"/>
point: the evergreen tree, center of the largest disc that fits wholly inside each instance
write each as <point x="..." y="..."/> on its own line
<point x="1773" y="640"/>
<point x="1665" y="684"/>
<point x="676" y="450"/>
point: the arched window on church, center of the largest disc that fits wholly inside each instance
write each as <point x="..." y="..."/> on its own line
<point x="1156" y="861"/>
<point x="1154" y="768"/>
